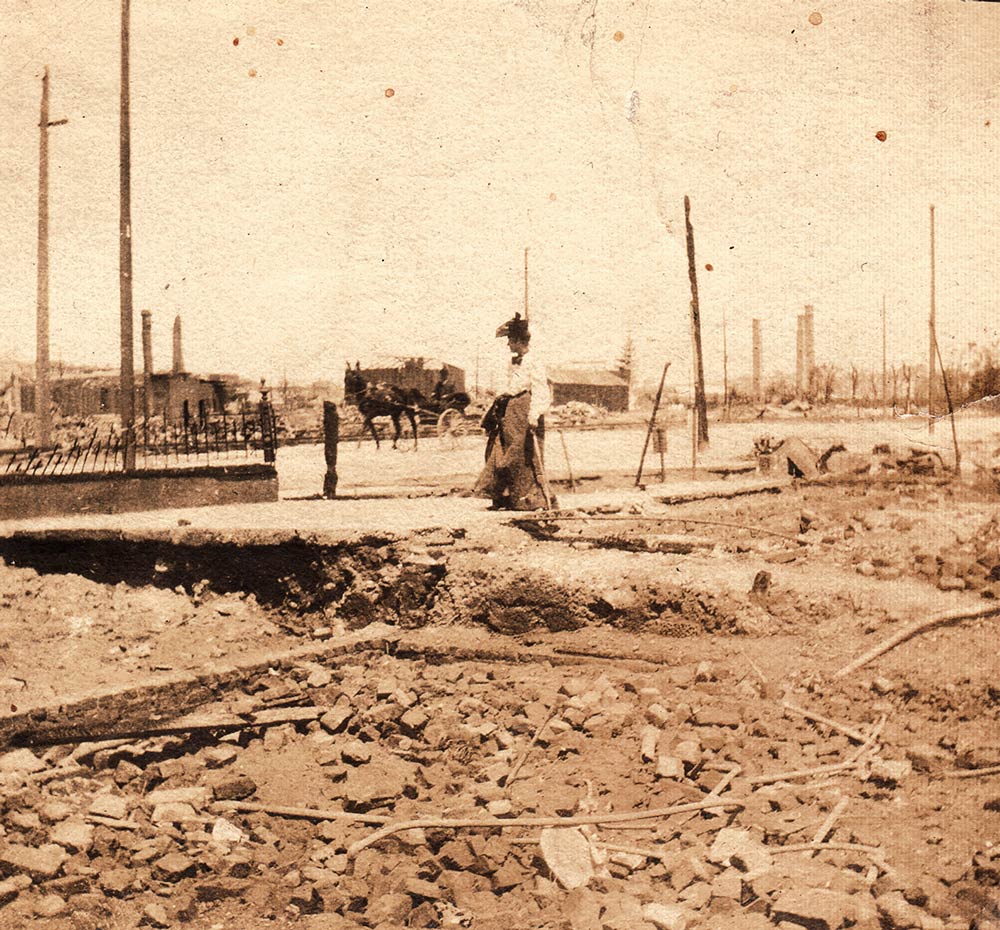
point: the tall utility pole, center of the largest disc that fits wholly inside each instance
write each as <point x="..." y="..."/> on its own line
<point x="883" y="349"/>
<point x="127" y="380"/>
<point x="43" y="393"/>
<point x="725" y="367"/>
<point x="758" y="393"/>
<point x="700" y="407"/>
<point x="933" y="340"/>
<point x="809" y="350"/>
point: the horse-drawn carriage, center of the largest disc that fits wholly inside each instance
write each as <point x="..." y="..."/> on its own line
<point x="444" y="409"/>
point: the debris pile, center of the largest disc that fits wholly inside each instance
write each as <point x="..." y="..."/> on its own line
<point x="972" y="563"/>
<point x="389" y="793"/>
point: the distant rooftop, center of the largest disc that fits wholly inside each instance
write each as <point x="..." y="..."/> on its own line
<point x="566" y="374"/>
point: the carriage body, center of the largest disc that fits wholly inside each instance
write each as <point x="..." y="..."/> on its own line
<point x="410" y="387"/>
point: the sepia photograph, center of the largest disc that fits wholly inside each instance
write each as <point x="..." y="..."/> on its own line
<point x="500" y="464"/>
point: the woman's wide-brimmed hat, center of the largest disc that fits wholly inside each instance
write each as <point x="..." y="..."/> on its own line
<point x="515" y="328"/>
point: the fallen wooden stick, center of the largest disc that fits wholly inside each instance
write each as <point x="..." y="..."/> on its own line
<point x="729" y="773"/>
<point x="849" y="732"/>
<point x="802" y="773"/>
<point x="490" y="823"/>
<point x="874" y="851"/>
<point x="611" y="847"/>
<point x="191" y="723"/>
<point x="524" y="755"/>
<point x="824" y="830"/>
<point x="970" y="773"/>
<point x="870" y="742"/>
<point x="912" y="629"/>
<point x="304" y="813"/>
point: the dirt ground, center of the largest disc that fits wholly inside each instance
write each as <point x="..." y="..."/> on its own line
<point x="611" y="666"/>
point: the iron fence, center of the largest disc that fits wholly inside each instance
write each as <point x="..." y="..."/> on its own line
<point x="246" y="437"/>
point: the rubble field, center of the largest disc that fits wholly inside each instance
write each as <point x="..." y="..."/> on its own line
<point x="616" y="717"/>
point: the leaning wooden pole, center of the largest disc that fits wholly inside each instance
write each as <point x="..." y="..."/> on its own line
<point x="127" y="380"/>
<point x="701" y="409"/>
<point x="652" y="424"/>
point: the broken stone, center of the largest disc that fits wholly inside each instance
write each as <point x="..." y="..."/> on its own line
<point x="893" y="770"/>
<point x="717" y="717"/>
<point x="882" y="685"/>
<point x="225" y="832"/>
<point x="898" y="911"/>
<point x="379" y="780"/>
<point x="117" y="882"/>
<point x="76" y="836"/>
<point x="418" y="888"/>
<point x="112" y="806"/>
<point x="173" y="867"/>
<point x="815" y="908"/>
<point x="567" y="853"/>
<point x="688" y="751"/>
<point x="20" y="762"/>
<point x="704" y="672"/>
<point x="392" y="909"/>
<point x="234" y="788"/>
<point x="155" y="915"/>
<point x="414" y="720"/>
<point x="354" y="752"/>
<point x="666" y="916"/>
<point x="55" y="811"/>
<point x="735" y="847"/>
<point x="10" y="888"/>
<point x="218" y="756"/>
<point x="669" y="767"/>
<point x="39" y="862"/>
<point x="174" y="812"/>
<point x="319" y="678"/>
<point x="650" y="737"/>
<point x="50" y="905"/>
<point x="337" y="718"/>
<point x="657" y="715"/>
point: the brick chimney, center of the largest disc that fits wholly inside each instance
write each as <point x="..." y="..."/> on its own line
<point x="178" y="365"/>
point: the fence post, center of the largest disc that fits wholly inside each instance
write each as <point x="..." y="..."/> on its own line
<point x="268" y="433"/>
<point x="331" y="436"/>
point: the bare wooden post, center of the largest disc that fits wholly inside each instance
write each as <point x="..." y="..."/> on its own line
<point x="127" y="379"/>
<point x="701" y="409"/>
<point x="757" y="387"/>
<point x="808" y="351"/>
<point x="331" y="438"/>
<point x="43" y="414"/>
<point x="933" y="340"/>
<point x="43" y="394"/>
<point x="883" y="354"/>
<point x="800" y="356"/>
<point x="725" y="368"/>
<point x="147" y="364"/>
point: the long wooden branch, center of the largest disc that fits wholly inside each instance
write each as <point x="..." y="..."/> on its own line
<point x="491" y="823"/>
<point x="912" y="629"/>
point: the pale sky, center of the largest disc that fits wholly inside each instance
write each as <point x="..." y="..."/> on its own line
<point x="297" y="214"/>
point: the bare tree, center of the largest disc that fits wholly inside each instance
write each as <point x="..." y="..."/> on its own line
<point x="908" y="381"/>
<point x="855" y="379"/>
<point x="895" y="384"/>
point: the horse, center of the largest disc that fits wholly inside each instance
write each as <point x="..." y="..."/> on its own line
<point x="381" y="400"/>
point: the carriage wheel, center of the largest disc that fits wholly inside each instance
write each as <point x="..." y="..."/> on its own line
<point x="451" y="426"/>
